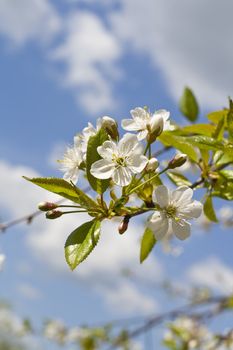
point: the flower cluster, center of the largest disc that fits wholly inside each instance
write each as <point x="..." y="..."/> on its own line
<point x="126" y="166"/>
<point x="122" y="160"/>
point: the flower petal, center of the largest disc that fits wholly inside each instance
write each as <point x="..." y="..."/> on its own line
<point x="142" y="135"/>
<point x="129" y="144"/>
<point x="182" y="196"/>
<point x="122" y="176"/>
<point x="192" y="210"/>
<point x="139" y="113"/>
<point x="107" y="150"/>
<point x="163" y="113"/>
<point x="162" y="195"/>
<point x="71" y="175"/>
<point x="137" y="163"/>
<point x="130" y="125"/>
<point x="181" y="228"/>
<point x="159" y="224"/>
<point x="156" y="122"/>
<point x="102" y="169"/>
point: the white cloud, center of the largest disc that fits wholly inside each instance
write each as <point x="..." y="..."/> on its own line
<point x="25" y="20"/>
<point x="190" y="40"/>
<point x="212" y="273"/>
<point x="18" y="196"/>
<point x="28" y="291"/>
<point x="103" y="268"/>
<point x="128" y="300"/>
<point x="90" y="53"/>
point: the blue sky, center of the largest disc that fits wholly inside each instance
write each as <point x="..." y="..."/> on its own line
<point x="62" y="64"/>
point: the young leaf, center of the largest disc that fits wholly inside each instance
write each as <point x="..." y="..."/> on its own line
<point x="81" y="242"/>
<point x="201" y="129"/>
<point x="64" y="189"/>
<point x="179" y="142"/>
<point x="204" y="142"/>
<point x="98" y="185"/>
<point x="209" y="209"/>
<point x="188" y="105"/>
<point x="178" y="179"/>
<point x="224" y="190"/>
<point x="147" y="244"/>
<point x="227" y="174"/>
<point x="216" y="116"/>
<point x="219" y="131"/>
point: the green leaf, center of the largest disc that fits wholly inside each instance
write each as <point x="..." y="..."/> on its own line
<point x="224" y="190"/>
<point x="201" y="129"/>
<point x="227" y="174"/>
<point x="205" y="156"/>
<point x="178" y="179"/>
<point x="81" y="242"/>
<point x="147" y="244"/>
<point x="219" y="131"/>
<point x="64" y="189"/>
<point x="204" y="142"/>
<point x="209" y="209"/>
<point x="95" y="141"/>
<point x="188" y="105"/>
<point x="222" y="158"/>
<point x="179" y="142"/>
<point x="216" y="116"/>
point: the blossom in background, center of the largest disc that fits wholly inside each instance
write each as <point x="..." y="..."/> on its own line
<point x="70" y="163"/>
<point x="144" y="122"/>
<point x="120" y="161"/>
<point x="175" y="207"/>
<point x="2" y="260"/>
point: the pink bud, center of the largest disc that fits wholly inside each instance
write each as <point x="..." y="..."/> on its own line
<point x="45" y="206"/>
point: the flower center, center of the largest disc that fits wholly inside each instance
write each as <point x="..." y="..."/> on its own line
<point x="171" y="211"/>
<point x="120" y="161"/>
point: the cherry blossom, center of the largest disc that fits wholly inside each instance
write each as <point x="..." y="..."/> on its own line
<point x="175" y="208"/>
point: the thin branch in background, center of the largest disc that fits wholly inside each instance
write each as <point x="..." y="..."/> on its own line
<point x="29" y="218"/>
<point x="219" y="305"/>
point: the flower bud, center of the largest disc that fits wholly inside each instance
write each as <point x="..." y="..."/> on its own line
<point x="155" y="128"/>
<point x="53" y="214"/>
<point x="111" y="127"/>
<point x="152" y="165"/>
<point x="177" y="161"/>
<point x="45" y="206"/>
<point x="123" y="225"/>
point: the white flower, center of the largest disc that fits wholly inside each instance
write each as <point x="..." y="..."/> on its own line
<point x="143" y="122"/>
<point x="120" y="161"/>
<point x="70" y="163"/>
<point x="81" y="139"/>
<point x="175" y="207"/>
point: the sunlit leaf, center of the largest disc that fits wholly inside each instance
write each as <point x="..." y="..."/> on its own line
<point x="64" y="189"/>
<point x="147" y="244"/>
<point x="209" y="209"/>
<point x="179" y="142"/>
<point x="178" y="179"/>
<point x="81" y="242"/>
